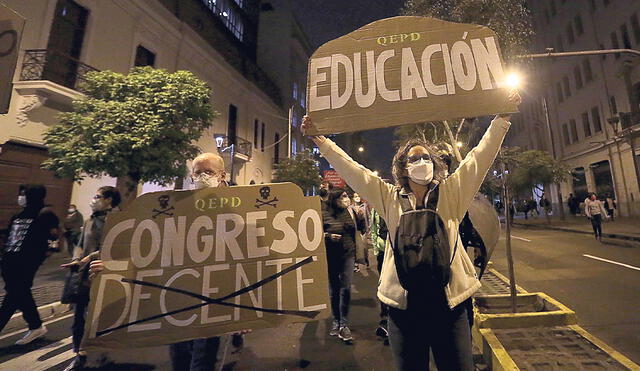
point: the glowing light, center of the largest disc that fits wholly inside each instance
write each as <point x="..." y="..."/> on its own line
<point x="361" y="149"/>
<point x="513" y="80"/>
<point x="459" y="144"/>
<point x="375" y="173"/>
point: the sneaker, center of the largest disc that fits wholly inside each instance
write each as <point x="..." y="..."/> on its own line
<point x="335" y="329"/>
<point x="32" y="335"/>
<point x="345" y="334"/>
<point x="77" y="364"/>
<point x="382" y="329"/>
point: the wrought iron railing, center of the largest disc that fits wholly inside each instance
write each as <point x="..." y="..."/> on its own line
<point x="241" y="146"/>
<point x="44" y="64"/>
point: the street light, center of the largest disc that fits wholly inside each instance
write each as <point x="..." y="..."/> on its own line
<point x="513" y="80"/>
<point x="459" y="144"/>
<point x="361" y="149"/>
<point x="231" y="148"/>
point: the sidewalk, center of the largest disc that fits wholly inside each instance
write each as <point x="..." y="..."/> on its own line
<point x="623" y="228"/>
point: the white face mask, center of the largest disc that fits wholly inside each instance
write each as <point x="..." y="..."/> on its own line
<point x="421" y="171"/>
<point x="205" y="181"/>
<point x="71" y="211"/>
<point x="22" y="201"/>
<point x="356" y="200"/>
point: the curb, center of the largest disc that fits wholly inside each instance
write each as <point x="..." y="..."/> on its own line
<point x="45" y="311"/>
<point x="632" y="239"/>
<point x="606" y="348"/>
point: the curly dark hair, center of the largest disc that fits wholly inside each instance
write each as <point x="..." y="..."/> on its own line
<point x="334" y="196"/>
<point x="399" y="165"/>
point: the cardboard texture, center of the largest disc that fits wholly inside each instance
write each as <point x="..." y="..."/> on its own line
<point x="405" y="70"/>
<point x="11" y="25"/>
<point x="210" y="242"/>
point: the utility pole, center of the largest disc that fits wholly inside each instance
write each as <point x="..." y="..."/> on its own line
<point x="553" y="153"/>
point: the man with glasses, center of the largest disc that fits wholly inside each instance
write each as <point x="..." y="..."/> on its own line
<point x="103" y="202"/>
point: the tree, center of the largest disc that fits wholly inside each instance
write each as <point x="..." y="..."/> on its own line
<point x="510" y="19"/>
<point x="139" y="127"/>
<point x="302" y="170"/>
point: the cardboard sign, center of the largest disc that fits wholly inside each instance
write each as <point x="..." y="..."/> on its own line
<point x="11" y="25"/>
<point x="190" y="264"/>
<point x="405" y="70"/>
<point x="334" y="178"/>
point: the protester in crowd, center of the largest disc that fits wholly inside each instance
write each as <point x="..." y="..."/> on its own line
<point x="432" y="313"/>
<point x="572" y="202"/>
<point x="594" y="210"/>
<point x="325" y="188"/>
<point x="610" y="205"/>
<point x="105" y="200"/>
<point x="363" y="237"/>
<point x="31" y="232"/>
<point x="379" y="237"/>
<point x="72" y="227"/>
<point x="545" y="204"/>
<point x="340" y="228"/>
<point x="533" y="207"/>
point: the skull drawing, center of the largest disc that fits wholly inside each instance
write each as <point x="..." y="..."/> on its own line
<point x="164" y="201"/>
<point x="264" y="192"/>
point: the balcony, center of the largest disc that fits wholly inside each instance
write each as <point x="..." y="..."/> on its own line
<point x="48" y="75"/>
<point x="241" y="147"/>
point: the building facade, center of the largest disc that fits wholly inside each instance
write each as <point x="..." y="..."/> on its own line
<point x="583" y="109"/>
<point x="217" y="40"/>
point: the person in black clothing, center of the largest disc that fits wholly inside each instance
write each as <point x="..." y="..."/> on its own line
<point x="25" y="250"/>
<point x="340" y="225"/>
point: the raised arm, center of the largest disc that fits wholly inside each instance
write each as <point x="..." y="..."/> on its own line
<point x="369" y="186"/>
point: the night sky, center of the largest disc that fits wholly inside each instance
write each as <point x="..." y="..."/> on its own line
<point x="325" y="20"/>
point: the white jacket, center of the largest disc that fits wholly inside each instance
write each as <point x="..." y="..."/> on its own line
<point x="456" y="193"/>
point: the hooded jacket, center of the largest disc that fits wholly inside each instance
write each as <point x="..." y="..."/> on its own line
<point x="456" y="193"/>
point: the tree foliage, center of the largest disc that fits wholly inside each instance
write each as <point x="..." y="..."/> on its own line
<point x="510" y="19"/>
<point x="141" y="125"/>
<point x="526" y="170"/>
<point x="302" y="170"/>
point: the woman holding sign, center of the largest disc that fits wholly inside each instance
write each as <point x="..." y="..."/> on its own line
<point x="427" y="278"/>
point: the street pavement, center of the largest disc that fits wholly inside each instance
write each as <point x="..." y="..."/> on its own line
<point x="599" y="281"/>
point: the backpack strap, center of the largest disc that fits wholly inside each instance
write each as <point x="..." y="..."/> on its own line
<point x="404" y="202"/>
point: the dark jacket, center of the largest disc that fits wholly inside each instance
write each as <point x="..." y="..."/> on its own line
<point x="344" y="223"/>
<point x="30" y="232"/>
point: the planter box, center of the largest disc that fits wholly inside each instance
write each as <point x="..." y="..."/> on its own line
<point x="533" y="310"/>
<point x="549" y="348"/>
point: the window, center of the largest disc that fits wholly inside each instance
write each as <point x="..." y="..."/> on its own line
<point x="614" y="43"/>
<point x="624" y="32"/>
<point x="574" y="130"/>
<point x="635" y="26"/>
<point x="559" y="45"/>
<point x="276" y="149"/>
<point x="552" y="5"/>
<point x="144" y="57"/>
<point x="565" y="134"/>
<point x="579" y="181"/>
<point x="264" y="129"/>
<point x="295" y="91"/>
<point x="595" y="117"/>
<point x="614" y="105"/>
<point x="585" y="124"/>
<point x="570" y="37"/>
<point x="303" y="100"/>
<point x="559" y="91"/>
<point x="578" y="76"/>
<point x="255" y="133"/>
<point x="586" y="66"/>
<point x="233" y="124"/>
<point x="567" y="88"/>
<point x="227" y="15"/>
<point x="579" y="27"/>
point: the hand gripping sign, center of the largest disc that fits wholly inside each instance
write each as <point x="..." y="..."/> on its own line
<point x="405" y="70"/>
<point x="182" y="265"/>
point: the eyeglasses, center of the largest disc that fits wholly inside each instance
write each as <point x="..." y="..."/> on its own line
<point x="416" y="158"/>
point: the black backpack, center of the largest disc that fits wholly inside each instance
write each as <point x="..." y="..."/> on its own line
<point x="421" y="247"/>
